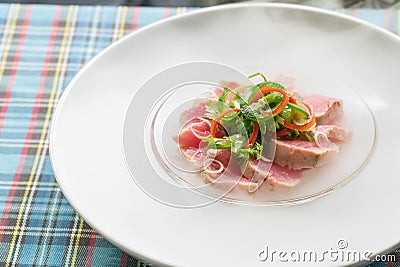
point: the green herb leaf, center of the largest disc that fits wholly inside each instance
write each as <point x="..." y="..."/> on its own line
<point x="252" y="152"/>
<point x="239" y="125"/>
<point x="257" y="74"/>
<point x="235" y="143"/>
<point x="294" y="134"/>
<point x="216" y="107"/>
<point x="222" y="97"/>
<point x="217" y="143"/>
<point x="249" y="94"/>
<point x="299" y="109"/>
<point x="286" y="114"/>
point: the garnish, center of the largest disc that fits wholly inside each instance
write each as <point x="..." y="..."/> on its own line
<point x="246" y="113"/>
<point x="217" y="120"/>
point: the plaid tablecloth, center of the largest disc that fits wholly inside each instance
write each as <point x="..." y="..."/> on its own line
<point x="41" y="48"/>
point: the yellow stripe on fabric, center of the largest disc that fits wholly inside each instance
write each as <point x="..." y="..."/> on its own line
<point x="38" y="234"/>
<point x="115" y="29"/>
<point x="398" y="22"/>
<point x="2" y="67"/>
<point x="121" y="30"/>
<point x="9" y="37"/>
<point x="76" y="246"/>
<point x="42" y="138"/>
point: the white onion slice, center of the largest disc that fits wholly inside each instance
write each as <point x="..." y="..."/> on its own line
<point x="265" y="159"/>
<point x="204" y="120"/>
<point x="206" y="167"/>
<point x="212" y="152"/>
<point x="192" y="121"/>
<point x="322" y="140"/>
<point x="192" y="158"/>
<point x="195" y="133"/>
<point x="254" y="186"/>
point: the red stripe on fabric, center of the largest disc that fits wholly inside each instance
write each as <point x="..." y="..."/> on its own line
<point x="124" y="259"/>
<point x="31" y="125"/>
<point x="92" y="242"/>
<point x="14" y="68"/>
<point x="17" y="57"/>
<point x="166" y="12"/>
<point x="136" y="12"/>
<point x="386" y="19"/>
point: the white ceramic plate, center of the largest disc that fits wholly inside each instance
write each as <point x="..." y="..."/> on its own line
<point x="317" y="47"/>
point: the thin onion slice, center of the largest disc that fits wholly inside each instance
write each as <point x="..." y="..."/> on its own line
<point x="193" y="121"/>
<point x="254" y="186"/>
<point x="265" y="159"/>
<point x="322" y="140"/>
<point x="196" y="133"/>
<point x="208" y="170"/>
<point x="211" y="153"/>
<point x="192" y="158"/>
<point x="204" y="120"/>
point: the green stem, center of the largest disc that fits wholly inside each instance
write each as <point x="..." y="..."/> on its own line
<point x="258" y="74"/>
<point x="234" y="91"/>
<point x="298" y="108"/>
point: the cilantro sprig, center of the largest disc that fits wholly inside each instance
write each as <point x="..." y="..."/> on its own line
<point x="247" y="115"/>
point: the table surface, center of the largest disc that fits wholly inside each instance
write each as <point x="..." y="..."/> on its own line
<point x="42" y="47"/>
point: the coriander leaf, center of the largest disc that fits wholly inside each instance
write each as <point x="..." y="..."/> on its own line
<point x="248" y="112"/>
<point x="212" y="109"/>
<point x="253" y="90"/>
<point x="237" y="142"/>
<point x="266" y="123"/>
<point x="279" y="121"/>
<point x="234" y="104"/>
<point x="222" y="97"/>
<point x="286" y="114"/>
<point x="246" y="153"/>
<point x="217" y="143"/>
<point x="216" y="107"/>
<point x="294" y="134"/>
<point x="273" y="99"/>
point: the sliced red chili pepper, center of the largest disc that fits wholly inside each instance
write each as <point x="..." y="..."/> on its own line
<point x="267" y="89"/>
<point x="282" y="132"/>
<point x="215" y="122"/>
<point x="305" y="127"/>
<point x="253" y="136"/>
<point x="292" y="99"/>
